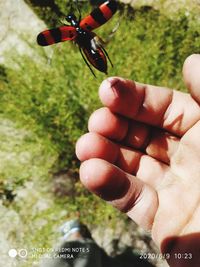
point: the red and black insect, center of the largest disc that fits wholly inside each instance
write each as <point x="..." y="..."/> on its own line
<point x="80" y="31"/>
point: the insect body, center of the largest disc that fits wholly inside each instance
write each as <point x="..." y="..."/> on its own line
<point x="80" y="31"/>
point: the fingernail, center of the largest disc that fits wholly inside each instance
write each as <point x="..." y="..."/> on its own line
<point x="113" y="80"/>
<point x="115" y="84"/>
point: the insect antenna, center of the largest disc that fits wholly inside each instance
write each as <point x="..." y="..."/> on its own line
<point x="74" y="4"/>
<point x="78" y="8"/>
<point x="71" y="7"/>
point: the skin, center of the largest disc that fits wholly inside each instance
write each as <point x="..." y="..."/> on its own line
<point x="142" y="155"/>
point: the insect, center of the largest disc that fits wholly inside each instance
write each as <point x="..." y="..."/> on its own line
<point x="80" y="31"/>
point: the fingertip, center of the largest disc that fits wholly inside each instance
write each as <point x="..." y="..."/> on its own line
<point x="84" y="145"/>
<point x="92" y="172"/>
<point x="96" y="119"/>
<point x="107" y="91"/>
<point x="108" y="124"/>
<point x="191" y="75"/>
<point x="111" y="81"/>
<point x="93" y="145"/>
<point x="77" y="147"/>
<point x="121" y="96"/>
<point x="102" y="178"/>
<point x="84" y="173"/>
<point x="190" y="59"/>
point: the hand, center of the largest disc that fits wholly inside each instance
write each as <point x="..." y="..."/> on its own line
<point x="142" y="154"/>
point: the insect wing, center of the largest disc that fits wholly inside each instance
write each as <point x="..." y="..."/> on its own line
<point x="56" y="35"/>
<point x="99" y="16"/>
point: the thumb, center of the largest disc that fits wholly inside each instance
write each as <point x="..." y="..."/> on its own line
<point x="191" y="75"/>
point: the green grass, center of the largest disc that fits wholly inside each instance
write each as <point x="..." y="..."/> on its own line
<point x="50" y="102"/>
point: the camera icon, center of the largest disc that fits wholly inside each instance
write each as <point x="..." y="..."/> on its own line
<point x="22" y="253"/>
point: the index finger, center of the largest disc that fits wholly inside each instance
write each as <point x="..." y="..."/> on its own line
<point x="171" y="110"/>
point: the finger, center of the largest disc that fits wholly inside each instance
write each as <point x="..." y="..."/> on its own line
<point x="95" y="146"/>
<point x="125" y="192"/>
<point x="162" y="146"/>
<point x="187" y="157"/>
<point x="118" y="128"/>
<point x="156" y="143"/>
<point x="105" y="123"/>
<point x="157" y="106"/>
<point x="149" y="170"/>
<point x="191" y="74"/>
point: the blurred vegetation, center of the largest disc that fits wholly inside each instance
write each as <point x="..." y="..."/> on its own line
<point x="52" y="96"/>
<point x="51" y="10"/>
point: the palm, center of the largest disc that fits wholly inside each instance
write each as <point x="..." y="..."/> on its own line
<point x="177" y="217"/>
<point x="179" y="205"/>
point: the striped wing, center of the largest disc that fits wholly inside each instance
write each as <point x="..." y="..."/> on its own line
<point x="56" y="35"/>
<point x="99" y="16"/>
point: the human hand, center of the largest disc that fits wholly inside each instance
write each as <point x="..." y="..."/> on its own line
<point x="142" y="154"/>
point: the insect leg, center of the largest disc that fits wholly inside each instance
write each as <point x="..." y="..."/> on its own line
<point x="104" y="50"/>
<point x="86" y="62"/>
<point x="49" y="59"/>
<point x="112" y="33"/>
<point x="99" y="42"/>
